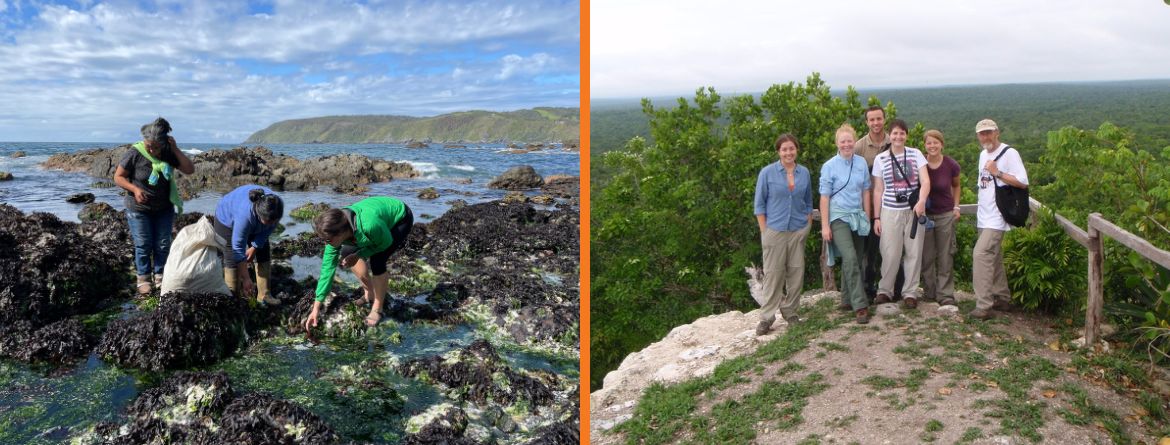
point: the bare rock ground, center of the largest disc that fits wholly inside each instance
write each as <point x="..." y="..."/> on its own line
<point x="853" y="409"/>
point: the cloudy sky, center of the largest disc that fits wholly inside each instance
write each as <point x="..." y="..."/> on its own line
<point x="671" y="47"/>
<point x="95" y="71"/>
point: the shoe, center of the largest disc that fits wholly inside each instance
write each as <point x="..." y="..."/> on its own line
<point x="143" y="284"/>
<point x="982" y="314"/>
<point x="845" y="307"/>
<point x="909" y="303"/>
<point x="947" y="301"/>
<point x="882" y="299"/>
<point x="793" y="320"/>
<point x="158" y="280"/>
<point x="764" y="326"/>
<point x="863" y="316"/>
<point x="1003" y="305"/>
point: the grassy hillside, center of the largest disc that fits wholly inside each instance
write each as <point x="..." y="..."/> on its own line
<point x="535" y="125"/>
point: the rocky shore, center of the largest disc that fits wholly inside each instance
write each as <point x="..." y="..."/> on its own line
<point x="508" y="269"/>
<point x="224" y="170"/>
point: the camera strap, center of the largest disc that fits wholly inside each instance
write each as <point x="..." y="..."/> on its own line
<point x="847" y="178"/>
<point x="894" y="159"/>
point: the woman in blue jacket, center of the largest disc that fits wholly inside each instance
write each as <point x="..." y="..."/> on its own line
<point x="244" y="219"/>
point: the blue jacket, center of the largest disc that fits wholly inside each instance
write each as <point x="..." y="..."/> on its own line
<point x="235" y="212"/>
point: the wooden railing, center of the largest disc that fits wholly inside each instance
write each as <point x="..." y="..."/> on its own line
<point x="1090" y="239"/>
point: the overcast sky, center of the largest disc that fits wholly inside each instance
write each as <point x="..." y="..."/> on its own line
<point x="672" y="47"/>
<point x="95" y="71"/>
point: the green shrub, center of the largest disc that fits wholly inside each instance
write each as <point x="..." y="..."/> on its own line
<point x="1046" y="269"/>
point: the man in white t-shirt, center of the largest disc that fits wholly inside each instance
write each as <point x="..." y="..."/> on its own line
<point x="988" y="277"/>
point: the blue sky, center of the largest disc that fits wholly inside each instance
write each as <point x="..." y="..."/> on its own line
<point x="95" y="71"/>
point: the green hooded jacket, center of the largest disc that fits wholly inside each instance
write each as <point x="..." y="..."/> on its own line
<point x="373" y="219"/>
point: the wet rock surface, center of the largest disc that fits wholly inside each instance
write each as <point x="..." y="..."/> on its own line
<point x="52" y="271"/>
<point x="224" y="170"/>
<point x="522" y="177"/>
<point x="308" y="211"/>
<point x="80" y="198"/>
<point x="185" y="330"/>
<point x="57" y="343"/>
<point x="562" y="186"/>
<point x="202" y="408"/>
<point x="478" y="374"/>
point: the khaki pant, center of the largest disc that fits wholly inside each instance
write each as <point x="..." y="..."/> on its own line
<point x="938" y="257"/>
<point x="852" y="249"/>
<point x="899" y="250"/>
<point x="987" y="275"/>
<point x="783" y="271"/>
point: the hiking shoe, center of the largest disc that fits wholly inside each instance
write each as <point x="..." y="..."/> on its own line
<point x="793" y="320"/>
<point x="882" y="299"/>
<point x="143" y="284"/>
<point x="845" y="307"/>
<point x="909" y="303"/>
<point x="982" y="314"/>
<point x="764" y="326"/>
<point x="863" y="316"/>
<point x="1003" y="305"/>
<point x="947" y="301"/>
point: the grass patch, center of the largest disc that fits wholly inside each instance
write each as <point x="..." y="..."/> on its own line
<point x="841" y="422"/>
<point x="932" y="426"/>
<point x="879" y="383"/>
<point x="1018" y="417"/>
<point x="970" y="435"/>
<point x="1085" y="412"/>
<point x="666" y="410"/>
<point x="776" y="404"/>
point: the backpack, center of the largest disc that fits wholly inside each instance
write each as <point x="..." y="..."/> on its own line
<point x="1012" y="201"/>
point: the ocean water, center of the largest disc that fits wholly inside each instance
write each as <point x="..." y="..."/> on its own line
<point x="38" y="407"/>
<point x="37" y="189"/>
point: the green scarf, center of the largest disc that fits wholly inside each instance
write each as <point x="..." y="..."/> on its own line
<point x="160" y="168"/>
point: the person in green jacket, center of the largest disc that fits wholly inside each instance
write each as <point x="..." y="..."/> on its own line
<point x="363" y="236"/>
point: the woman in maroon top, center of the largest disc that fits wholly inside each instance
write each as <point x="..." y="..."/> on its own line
<point x="942" y="207"/>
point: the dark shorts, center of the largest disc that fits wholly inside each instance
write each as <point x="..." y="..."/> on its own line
<point x="399" y="232"/>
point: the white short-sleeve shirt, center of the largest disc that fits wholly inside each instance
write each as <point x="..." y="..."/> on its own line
<point x="1011" y="164"/>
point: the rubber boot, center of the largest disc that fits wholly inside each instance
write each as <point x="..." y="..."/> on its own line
<point x="263" y="273"/>
<point x="230" y="276"/>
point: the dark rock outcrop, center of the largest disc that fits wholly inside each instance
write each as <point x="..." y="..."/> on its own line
<point x="185" y="330"/>
<point x="446" y="428"/>
<point x="18" y="154"/>
<point x="480" y="375"/>
<point x="562" y="186"/>
<point x="52" y="271"/>
<point x="80" y="198"/>
<point x="428" y="193"/>
<point x="224" y="170"/>
<point x="57" y="343"/>
<point x="521" y="177"/>
<point x="202" y="408"/>
<point x="5" y="176"/>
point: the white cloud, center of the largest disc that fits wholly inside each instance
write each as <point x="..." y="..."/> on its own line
<point x="218" y="72"/>
<point x="646" y="48"/>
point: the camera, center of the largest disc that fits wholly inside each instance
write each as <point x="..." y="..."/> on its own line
<point x="901" y="197"/>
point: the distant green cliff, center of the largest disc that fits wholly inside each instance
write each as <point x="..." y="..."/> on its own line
<point x="535" y="125"/>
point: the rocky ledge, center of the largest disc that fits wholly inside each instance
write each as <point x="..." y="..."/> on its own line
<point x="224" y="170"/>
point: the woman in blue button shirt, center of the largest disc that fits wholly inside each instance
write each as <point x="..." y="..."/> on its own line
<point x="783" y="208"/>
<point x="845" y="207"/>
<point x="244" y="219"/>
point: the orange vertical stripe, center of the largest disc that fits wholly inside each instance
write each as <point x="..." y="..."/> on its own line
<point x="584" y="293"/>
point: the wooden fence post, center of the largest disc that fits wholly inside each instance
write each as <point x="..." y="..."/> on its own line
<point x="1096" y="284"/>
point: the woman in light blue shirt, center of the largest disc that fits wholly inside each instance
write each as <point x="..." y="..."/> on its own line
<point x="845" y="207"/>
<point x="783" y="208"/>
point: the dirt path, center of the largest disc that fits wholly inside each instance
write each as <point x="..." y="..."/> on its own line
<point x="922" y="376"/>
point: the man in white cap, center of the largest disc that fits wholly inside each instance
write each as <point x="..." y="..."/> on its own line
<point x="1000" y="164"/>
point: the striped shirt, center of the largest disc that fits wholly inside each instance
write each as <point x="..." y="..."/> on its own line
<point x="885" y="170"/>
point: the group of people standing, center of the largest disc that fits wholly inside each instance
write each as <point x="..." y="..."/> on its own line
<point x="889" y="212"/>
<point x="360" y="237"/>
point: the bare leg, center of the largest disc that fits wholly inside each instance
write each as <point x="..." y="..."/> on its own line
<point x="362" y="269"/>
<point x="381" y="282"/>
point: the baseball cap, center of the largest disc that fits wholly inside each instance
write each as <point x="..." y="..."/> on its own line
<point x="986" y="124"/>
